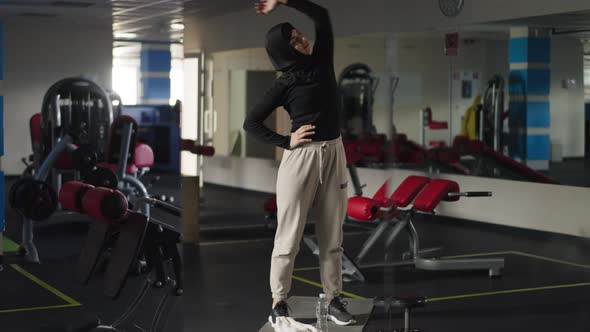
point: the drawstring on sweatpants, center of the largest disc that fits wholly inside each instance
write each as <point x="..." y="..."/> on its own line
<point x="322" y="149"/>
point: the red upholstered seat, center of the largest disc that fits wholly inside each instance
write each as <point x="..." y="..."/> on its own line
<point x="434" y="125"/>
<point x="372" y="137"/>
<point x="444" y="155"/>
<point x="382" y="197"/>
<point x="411" y="157"/>
<point x="475" y="147"/>
<point x="352" y="153"/>
<point x="64" y="161"/>
<point x="519" y="167"/>
<point x="438" y="144"/>
<point x="142" y="158"/>
<point x="401" y="138"/>
<point x="363" y="208"/>
<point x="35" y="129"/>
<point x="408" y="189"/>
<point x="372" y="149"/>
<point x="435" y="192"/>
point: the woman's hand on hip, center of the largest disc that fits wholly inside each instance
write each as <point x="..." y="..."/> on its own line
<point x="267" y="6"/>
<point x="301" y="134"/>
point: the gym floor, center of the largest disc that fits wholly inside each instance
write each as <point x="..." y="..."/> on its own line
<point x="571" y="172"/>
<point x="34" y="295"/>
<point x="545" y="285"/>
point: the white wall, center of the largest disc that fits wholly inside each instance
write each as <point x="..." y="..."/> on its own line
<point x="424" y="73"/>
<point x="223" y="64"/>
<point x="37" y="53"/>
<point x="567" y="105"/>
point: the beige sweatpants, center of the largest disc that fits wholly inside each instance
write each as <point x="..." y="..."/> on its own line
<point x="311" y="185"/>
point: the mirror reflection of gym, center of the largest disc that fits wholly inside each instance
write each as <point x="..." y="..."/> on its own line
<point x="410" y="101"/>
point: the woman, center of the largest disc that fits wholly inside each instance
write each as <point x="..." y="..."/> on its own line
<point x="312" y="177"/>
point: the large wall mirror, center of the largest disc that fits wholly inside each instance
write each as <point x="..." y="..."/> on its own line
<point x="508" y="100"/>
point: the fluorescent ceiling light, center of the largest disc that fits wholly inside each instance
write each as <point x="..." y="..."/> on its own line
<point x="177" y="26"/>
<point x="125" y="35"/>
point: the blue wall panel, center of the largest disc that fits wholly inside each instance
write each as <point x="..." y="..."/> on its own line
<point x="538" y="147"/>
<point x="156" y="60"/>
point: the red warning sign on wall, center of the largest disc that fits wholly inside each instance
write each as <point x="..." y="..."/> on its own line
<point x="452" y="44"/>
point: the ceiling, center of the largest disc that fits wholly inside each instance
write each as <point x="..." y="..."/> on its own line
<point x="575" y="23"/>
<point x="156" y="20"/>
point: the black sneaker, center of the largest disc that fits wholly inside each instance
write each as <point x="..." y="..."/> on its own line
<point x="281" y="309"/>
<point x="338" y="314"/>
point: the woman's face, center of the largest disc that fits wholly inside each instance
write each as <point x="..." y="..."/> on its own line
<point x="300" y="43"/>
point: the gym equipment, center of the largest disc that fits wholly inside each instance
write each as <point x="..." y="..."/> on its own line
<point x="379" y="209"/>
<point x="101" y="177"/>
<point x="490" y="163"/>
<point x="35" y="200"/>
<point x="76" y="106"/>
<point x="409" y="154"/>
<point x="63" y="156"/>
<point x="428" y="199"/>
<point x="160" y="129"/>
<point x="469" y="123"/>
<point x="116" y="103"/>
<point x="492" y="115"/>
<point x="127" y="159"/>
<point x="433" y="193"/>
<point x="397" y="215"/>
<point x="201" y="150"/>
<point x="72" y="106"/>
<point x="406" y="303"/>
<point x="131" y="235"/>
<point x="357" y="89"/>
<point x="84" y="158"/>
<point x="426" y="123"/>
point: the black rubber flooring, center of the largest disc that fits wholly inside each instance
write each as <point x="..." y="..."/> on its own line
<point x="545" y="286"/>
<point x="25" y="305"/>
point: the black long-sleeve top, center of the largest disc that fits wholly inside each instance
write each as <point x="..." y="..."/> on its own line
<point x="309" y="95"/>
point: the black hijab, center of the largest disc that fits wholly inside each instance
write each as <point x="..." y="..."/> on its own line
<point x="283" y="56"/>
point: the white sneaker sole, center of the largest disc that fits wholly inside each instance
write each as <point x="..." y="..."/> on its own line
<point x="339" y="322"/>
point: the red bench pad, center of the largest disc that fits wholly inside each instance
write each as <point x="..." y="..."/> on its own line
<point x="408" y="189"/>
<point x="435" y="192"/>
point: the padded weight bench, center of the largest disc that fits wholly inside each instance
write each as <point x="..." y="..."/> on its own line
<point x="388" y="212"/>
<point x="426" y="195"/>
<point x="426" y="201"/>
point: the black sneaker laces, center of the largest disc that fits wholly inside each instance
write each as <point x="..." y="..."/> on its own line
<point x="338" y="304"/>
<point x="282" y="309"/>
